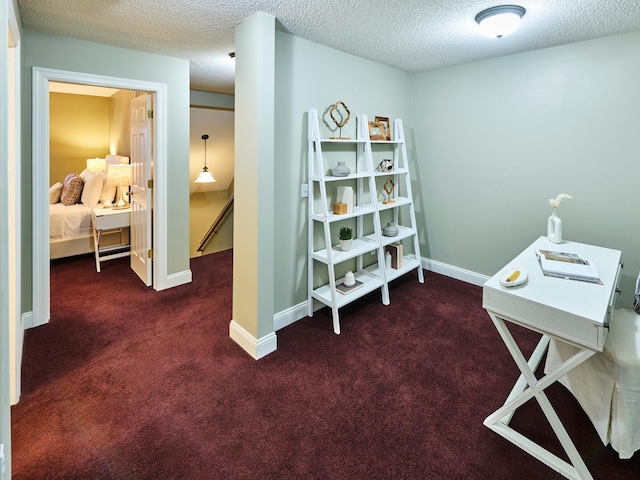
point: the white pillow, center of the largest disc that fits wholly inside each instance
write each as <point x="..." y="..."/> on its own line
<point x="108" y="194"/>
<point x="86" y="172"/>
<point x="54" y="193"/>
<point x="92" y="190"/>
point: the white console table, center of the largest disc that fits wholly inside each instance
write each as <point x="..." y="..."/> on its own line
<point x="572" y="311"/>
<point x="110" y="219"/>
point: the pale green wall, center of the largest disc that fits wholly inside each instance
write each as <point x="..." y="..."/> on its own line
<point x="49" y="51"/>
<point x="496" y="139"/>
<point x="309" y="75"/>
<point x="213" y="100"/>
<point x="254" y="165"/>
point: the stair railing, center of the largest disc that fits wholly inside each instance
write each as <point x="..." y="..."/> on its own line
<point x="213" y="229"/>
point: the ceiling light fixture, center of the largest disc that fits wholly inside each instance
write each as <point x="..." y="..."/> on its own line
<point x="500" y="21"/>
<point x="205" y="175"/>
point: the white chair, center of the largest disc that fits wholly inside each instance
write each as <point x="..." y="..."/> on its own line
<point x="607" y="385"/>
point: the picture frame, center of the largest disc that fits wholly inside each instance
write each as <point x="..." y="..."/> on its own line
<point x="376" y="131"/>
<point x="387" y="126"/>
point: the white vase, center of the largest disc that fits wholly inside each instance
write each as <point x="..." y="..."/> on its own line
<point x="554" y="227"/>
<point x="349" y="279"/>
<point x="345" y="245"/>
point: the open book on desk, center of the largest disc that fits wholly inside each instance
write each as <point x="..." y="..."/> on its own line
<point x="567" y="265"/>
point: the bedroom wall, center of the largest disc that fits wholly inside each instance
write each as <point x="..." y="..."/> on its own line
<point x="306" y="78"/>
<point x="496" y="139"/>
<point x="50" y="51"/>
<point x="79" y="129"/>
<point x="120" y="122"/>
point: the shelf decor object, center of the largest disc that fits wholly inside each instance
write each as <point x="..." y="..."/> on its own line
<point x="343" y="119"/>
<point x="388" y="188"/>
<point x="340" y="170"/>
<point x="365" y="259"/>
<point x="387" y="126"/>
<point x="346" y="238"/>
<point x="391" y="230"/>
<point x="376" y="131"/>
<point x="386" y="165"/>
<point x="554" y="222"/>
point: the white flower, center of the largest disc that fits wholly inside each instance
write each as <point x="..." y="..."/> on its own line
<point x="555" y="202"/>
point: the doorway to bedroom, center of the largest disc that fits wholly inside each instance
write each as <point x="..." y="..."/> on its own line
<point x="86" y="125"/>
<point x="42" y="178"/>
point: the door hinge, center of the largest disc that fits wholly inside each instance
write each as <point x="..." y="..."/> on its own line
<point x="150" y="253"/>
<point x="149" y="113"/>
<point x="150" y="183"/>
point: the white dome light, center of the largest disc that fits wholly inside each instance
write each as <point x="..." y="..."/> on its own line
<point x="500" y="21"/>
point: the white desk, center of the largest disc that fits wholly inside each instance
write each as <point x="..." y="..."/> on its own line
<point x="575" y="312"/>
<point x="110" y="219"/>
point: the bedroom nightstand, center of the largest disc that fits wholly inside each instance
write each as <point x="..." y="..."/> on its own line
<point x="109" y="219"/>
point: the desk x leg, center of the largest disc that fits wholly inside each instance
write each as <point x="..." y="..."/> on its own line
<point x="528" y="387"/>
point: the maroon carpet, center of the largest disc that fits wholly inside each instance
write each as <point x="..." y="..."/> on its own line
<point x="129" y="383"/>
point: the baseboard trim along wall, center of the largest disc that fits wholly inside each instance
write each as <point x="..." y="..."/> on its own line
<point x="454" y="272"/>
<point x="256" y="347"/>
<point x="27" y="320"/>
<point x="175" y="279"/>
<point x="299" y="311"/>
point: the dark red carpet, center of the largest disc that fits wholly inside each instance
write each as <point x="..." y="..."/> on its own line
<point x="129" y="383"/>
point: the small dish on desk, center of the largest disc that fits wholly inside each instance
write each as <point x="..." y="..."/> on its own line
<point x="513" y="276"/>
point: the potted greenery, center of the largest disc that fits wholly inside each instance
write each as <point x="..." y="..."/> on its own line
<point x="346" y="236"/>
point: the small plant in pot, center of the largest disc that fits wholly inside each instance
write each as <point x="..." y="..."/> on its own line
<point x="346" y="236"/>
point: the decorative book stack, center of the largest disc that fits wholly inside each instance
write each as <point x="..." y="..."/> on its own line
<point x="395" y="249"/>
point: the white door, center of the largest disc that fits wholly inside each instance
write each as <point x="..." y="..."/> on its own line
<point x="141" y="160"/>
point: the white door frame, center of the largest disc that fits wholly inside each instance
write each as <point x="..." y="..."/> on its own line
<point x="40" y="163"/>
<point x="16" y="324"/>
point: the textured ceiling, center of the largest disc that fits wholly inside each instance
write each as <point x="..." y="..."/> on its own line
<point x="413" y="35"/>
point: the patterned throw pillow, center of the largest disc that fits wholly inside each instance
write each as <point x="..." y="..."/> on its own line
<point x="72" y="191"/>
<point x="67" y="178"/>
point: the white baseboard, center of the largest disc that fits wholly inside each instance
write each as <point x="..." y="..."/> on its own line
<point x="176" y="279"/>
<point x="27" y="320"/>
<point x="454" y="272"/>
<point x="255" y="347"/>
<point x="299" y="311"/>
<point x="289" y="316"/>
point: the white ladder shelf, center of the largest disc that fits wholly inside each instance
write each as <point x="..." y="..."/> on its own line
<point x="367" y="254"/>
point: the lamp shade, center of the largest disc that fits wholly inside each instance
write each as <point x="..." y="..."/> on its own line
<point x="205" y="177"/>
<point x="95" y="165"/>
<point x="119" y="175"/>
<point x="500" y="21"/>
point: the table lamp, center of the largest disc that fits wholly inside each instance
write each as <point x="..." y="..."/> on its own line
<point x="120" y="176"/>
<point x="95" y="165"/>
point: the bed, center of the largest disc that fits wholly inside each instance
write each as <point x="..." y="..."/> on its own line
<point x="70" y="229"/>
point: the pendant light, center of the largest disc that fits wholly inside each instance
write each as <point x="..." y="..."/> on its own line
<point x="205" y="175"/>
<point x="500" y="21"/>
